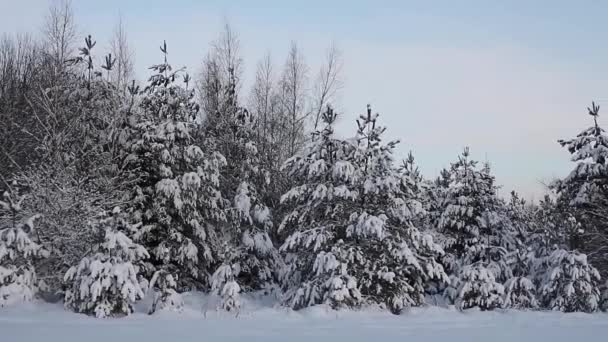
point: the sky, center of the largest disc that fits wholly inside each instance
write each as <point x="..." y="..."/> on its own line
<point x="506" y="78"/>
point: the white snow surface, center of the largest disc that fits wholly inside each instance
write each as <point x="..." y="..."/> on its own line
<point x="261" y="320"/>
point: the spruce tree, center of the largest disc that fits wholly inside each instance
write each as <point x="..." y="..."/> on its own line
<point x="18" y="250"/>
<point x="520" y="290"/>
<point x="401" y="258"/>
<point x="105" y="284"/>
<point x="520" y="293"/>
<point x="478" y="288"/>
<point x="584" y="192"/>
<point x="569" y="282"/>
<point x="416" y="188"/>
<point x="178" y="198"/>
<point x="318" y="254"/>
<point x="462" y="209"/>
<point x="472" y="227"/>
<point x="165" y="295"/>
<point x="247" y="251"/>
<point x="363" y="246"/>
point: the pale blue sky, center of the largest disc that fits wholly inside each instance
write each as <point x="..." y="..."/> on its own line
<point x="507" y="78"/>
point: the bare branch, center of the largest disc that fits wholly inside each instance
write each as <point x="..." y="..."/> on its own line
<point x="123" y="71"/>
<point x="329" y="81"/>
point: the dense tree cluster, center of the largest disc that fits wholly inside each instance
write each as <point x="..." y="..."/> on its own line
<point x="147" y="191"/>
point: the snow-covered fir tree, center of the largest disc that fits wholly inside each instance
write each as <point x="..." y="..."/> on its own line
<point x="569" y="282"/>
<point x="520" y="293"/>
<point x="478" y="288"/>
<point x="225" y="286"/>
<point x="473" y="232"/>
<point x="164" y="294"/>
<point x="520" y="290"/>
<point x="248" y="255"/>
<point x="416" y="188"/>
<point x="462" y="208"/>
<point x="604" y="297"/>
<point x="551" y="229"/>
<point x="105" y="284"/>
<point x="178" y="198"/>
<point x="590" y="151"/>
<point x="18" y="250"/>
<point x="351" y="234"/>
<point x="402" y="258"/>
<point x="583" y="193"/>
<point x="319" y="262"/>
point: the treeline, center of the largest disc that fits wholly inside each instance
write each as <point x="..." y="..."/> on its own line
<point x="115" y="192"/>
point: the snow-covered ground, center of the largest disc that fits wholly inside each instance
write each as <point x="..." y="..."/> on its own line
<point x="261" y="321"/>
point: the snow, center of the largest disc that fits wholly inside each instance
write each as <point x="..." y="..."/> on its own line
<point x="260" y="320"/>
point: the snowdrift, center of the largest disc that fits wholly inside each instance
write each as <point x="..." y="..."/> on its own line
<point x="261" y="320"/>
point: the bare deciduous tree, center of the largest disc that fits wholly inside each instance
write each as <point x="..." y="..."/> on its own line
<point x="60" y="33"/>
<point x="294" y="93"/>
<point x="227" y="50"/>
<point x="219" y="79"/>
<point x="122" y="73"/>
<point x="19" y="70"/>
<point x="261" y="102"/>
<point x="328" y="83"/>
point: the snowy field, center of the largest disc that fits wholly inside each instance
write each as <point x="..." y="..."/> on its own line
<point x="260" y="321"/>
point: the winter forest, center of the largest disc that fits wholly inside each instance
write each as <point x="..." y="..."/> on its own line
<point x="117" y="192"/>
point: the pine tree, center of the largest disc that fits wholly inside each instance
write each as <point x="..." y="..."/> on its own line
<point x="551" y="229"/>
<point x="474" y="233"/>
<point x="225" y="286"/>
<point x="105" y="284"/>
<point x="478" y="288"/>
<point x="17" y="250"/>
<point x="520" y="293"/>
<point x="363" y="246"/>
<point x="178" y="198"/>
<point x="604" y="298"/>
<point x="248" y="251"/>
<point x="416" y="188"/>
<point x="401" y="258"/>
<point x="319" y="258"/>
<point x="569" y="282"/>
<point x="520" y="290"/>
<point x="583" y="193"/>
<point x="165" y="295"/>
<point x="462" y="209"/>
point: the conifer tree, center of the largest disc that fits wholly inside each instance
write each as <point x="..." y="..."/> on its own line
<point x="569" y="282"/>
<point x="416" y="188"/>
<point x="478" y="288"/>
<point x="165" y="295"/>
<point x="462" y="209"/>
<point x="18" y="281"/>
<point x="247" y="251"/>
<point x="583" y="193"/>
<point x="401" y="258"/>
<point x="520" y="290"/>
<point x="319" y="259"/>
<point x="178" y="198"/>
<point x="105" y="284"/>
<point x="604" y="297"/>
<point x="551" y="229"/>
<point x="473" y="229"/>
<point x="225" y="286"/>
<point x="363" y="246"/>
<point x="520" y="293"/>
